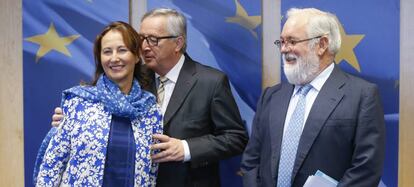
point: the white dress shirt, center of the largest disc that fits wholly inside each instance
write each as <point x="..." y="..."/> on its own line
<point x="169" y="86"/>
<point x="317" y="84"/>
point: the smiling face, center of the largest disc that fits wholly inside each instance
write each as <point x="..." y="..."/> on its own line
<point x="118" y="62"/>
<point x="300" y="61"/>
<point x="294" y="29"/>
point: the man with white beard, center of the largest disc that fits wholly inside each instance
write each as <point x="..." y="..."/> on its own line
<point x="323" y="119"/>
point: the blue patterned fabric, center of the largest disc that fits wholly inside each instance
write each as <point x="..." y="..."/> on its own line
<point x="76" y="154"/>
<point x="120" y="157"/>
<point x="291" y="139"/>
<point x="132" y="105"/>
<point x="41" y="152"/>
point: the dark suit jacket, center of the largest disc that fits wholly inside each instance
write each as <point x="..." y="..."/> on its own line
<point x="344" y="135"/>
<point x="203" y="112"/>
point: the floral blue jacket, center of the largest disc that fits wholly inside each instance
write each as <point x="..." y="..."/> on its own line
<point x="76" y="153"/>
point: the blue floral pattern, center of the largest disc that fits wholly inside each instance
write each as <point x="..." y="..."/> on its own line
<point x="76" y="154"/>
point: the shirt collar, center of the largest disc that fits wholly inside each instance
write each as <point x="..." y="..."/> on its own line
<point x="172" y="75"/>
<point x="320" y="80"/>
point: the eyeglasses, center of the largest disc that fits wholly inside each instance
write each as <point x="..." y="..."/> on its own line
<point x="290" y="42"/>
<point x="153" y="40"/>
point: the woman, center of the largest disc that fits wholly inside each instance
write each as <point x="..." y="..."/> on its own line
<point x="105" y="137"/>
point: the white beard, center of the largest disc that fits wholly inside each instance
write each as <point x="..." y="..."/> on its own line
<point x="303" y="71"/>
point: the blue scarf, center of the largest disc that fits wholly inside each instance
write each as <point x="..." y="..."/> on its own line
<point x="133" y="105"/>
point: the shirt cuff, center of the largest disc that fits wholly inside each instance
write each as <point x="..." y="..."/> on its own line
<point x="187" y="156"/>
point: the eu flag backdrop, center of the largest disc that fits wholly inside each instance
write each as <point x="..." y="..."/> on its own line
<point x="57" y="54"/>
<point x="370" y="49"/>
<point x="225" y="34"/>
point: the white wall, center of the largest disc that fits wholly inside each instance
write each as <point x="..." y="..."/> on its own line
<point x="406" y="138"/>
<point x="11" y="94"/>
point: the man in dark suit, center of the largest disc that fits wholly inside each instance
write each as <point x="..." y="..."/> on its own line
<point x="337" y="127"/>
<point x="202" y="124"/>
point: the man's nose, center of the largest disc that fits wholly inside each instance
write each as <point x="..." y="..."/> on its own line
<point x="145" y="44"/>
<point x="284" y="48"/>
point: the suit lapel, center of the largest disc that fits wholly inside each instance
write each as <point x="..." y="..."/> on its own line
<point x="152" y="85"/>
<point x="328" y="98"/>
<point x="185" y="82"/>
<point x="280" y="103"/>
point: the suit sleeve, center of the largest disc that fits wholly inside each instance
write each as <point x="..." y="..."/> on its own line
<point x="368" y="156"/>
<point x="251" y="156"/>
<point x="228" y="137"/>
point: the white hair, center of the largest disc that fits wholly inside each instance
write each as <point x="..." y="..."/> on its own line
<point x="304" y="71"/>
<point x="320" y="23"/>
<point x="176" y="22"/>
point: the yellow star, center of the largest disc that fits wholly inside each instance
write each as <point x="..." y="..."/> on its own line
<point x="243" y="19"/>
<point x="51" y="41"/>
<point x="346" y="52"/>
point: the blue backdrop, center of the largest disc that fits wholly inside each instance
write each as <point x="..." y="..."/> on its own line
<point x="225" y="34"/>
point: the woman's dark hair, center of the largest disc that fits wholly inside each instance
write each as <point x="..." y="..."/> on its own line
<point x="132" y="42"/>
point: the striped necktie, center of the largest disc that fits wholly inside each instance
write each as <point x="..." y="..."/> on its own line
<point x="161" y="89"/>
